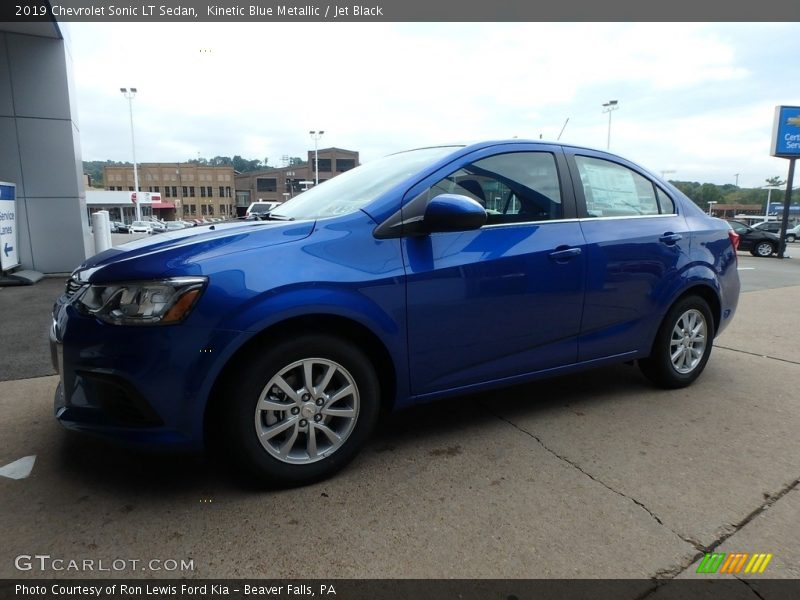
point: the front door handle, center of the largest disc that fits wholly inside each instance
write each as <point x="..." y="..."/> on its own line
<point x="670" y="238"/>
<point x="565" y="254"/>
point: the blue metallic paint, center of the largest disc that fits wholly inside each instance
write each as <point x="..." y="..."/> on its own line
<point x="440" y="304"/>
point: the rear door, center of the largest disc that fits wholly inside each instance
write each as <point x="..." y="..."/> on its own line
<point x="636" y="245"/>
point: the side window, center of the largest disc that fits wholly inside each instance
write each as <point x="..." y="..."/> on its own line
<point x="612" y="190"/>
<point x="514" y="188"/>
<point x="665" y="203"/>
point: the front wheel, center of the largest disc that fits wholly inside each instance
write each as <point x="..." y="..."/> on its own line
<point x="763" y="249"/>
<point x="301" y="410"/>
<point x="682" y="345"/>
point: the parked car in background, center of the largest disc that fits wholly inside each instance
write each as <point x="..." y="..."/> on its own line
<point x="424" y="274"/>
<point x="174" y="225"/>
<point x="158" y="226"/>
<point x="119" y="227"/>
<point x="771" y="226"/>
<point x="792" y="233"/>
<point x="757" y="241"/>
<point x="260" y="209"/>
<point x="141" y="227"/>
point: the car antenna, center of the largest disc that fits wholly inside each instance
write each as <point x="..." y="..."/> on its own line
<point x="562" y="129"/>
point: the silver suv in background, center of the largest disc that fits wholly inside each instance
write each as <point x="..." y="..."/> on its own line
<point x="792" y="233"/>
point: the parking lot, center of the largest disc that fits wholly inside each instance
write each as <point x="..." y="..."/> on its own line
<point x="592" y="476"/>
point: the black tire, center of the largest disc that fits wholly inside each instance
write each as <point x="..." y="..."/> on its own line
<point x="241" y="421"/>
<point x="659" y="367"/>
<point x="763" y="249"/>
<point x="790" y="237"/>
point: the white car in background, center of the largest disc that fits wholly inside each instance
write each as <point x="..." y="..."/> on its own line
<point x="141" y="227"/>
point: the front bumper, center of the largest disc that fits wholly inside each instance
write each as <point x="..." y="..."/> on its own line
<point x="143" y="386"/>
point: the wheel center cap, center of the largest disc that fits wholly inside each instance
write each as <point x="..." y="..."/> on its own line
<point x="308" y="410"/>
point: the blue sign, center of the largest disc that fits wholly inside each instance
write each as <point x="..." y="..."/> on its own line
<point x="786" y="132"/>
<point x="8" y="226"/>
<point x="777" y="209"/>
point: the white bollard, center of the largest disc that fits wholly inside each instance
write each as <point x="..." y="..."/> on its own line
<point x="102" y="231"/>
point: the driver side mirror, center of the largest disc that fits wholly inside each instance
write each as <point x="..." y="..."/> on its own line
<point x="453" y="212"/>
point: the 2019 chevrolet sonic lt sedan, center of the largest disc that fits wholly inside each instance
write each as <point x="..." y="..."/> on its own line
<point x="424" y="274"/>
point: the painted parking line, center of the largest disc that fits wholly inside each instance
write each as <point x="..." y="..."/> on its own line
<point x="19" y="469"/>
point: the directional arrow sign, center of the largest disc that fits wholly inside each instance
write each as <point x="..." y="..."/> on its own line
<point x="19" y="469"/>
<point x="8" y="226"/>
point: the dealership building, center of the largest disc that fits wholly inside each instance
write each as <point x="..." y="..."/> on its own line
<point x="40" y="155"/>
<point x="40" y="150"/>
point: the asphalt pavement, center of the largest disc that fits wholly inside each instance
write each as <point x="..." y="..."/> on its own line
<point x="591" y="476"/>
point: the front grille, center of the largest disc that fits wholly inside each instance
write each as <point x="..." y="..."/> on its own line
<point x="72" y="287"/>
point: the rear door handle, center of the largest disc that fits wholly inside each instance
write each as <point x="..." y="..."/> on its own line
<point x="565" y="254"/>
<point x="670" y="238"/>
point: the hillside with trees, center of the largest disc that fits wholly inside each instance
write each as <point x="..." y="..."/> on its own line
<point x="703" y="193"/>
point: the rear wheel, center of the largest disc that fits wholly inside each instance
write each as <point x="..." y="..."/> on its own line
<point x="301" y="410"/>
<point x="682" y="345"/>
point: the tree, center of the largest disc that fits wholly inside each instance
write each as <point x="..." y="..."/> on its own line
<point x="775" y="182"/>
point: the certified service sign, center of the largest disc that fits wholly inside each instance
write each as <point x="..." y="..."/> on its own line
<point x="786" y="132"/>
<point x="8" y="226"/>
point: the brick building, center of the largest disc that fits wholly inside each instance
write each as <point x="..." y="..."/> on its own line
<point x="187" y="190"/>
<point x="280" y="184"/>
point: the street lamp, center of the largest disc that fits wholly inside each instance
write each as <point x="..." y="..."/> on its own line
<point x="315" y="136"/>
<point x="610" y="107"/>
<point x="130" y="94"/>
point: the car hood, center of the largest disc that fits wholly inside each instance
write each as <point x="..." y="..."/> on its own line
<point x="185" y="251"/>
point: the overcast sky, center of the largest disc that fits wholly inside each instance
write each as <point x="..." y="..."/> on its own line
<point x="696" y="99"/>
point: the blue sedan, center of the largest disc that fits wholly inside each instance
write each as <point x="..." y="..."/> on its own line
<point x="424" y="274"/>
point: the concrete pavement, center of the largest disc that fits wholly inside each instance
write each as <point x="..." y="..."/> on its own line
<point x="597" y="475"/>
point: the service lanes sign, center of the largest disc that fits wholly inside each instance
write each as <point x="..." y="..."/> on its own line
<point x="786" y="132"/>
<point x="9" y="255"/>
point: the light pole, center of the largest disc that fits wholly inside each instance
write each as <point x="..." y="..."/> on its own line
<point x="610" y="107"/>
<point x="179" y="212"/>
<point x="130" y="94"/>
<point x="315" y="136"/>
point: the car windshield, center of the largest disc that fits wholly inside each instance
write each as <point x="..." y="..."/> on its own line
<point x="351" y="191"/>
<point x="261" y="208"/>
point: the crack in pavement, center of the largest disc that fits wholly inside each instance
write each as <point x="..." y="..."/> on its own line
<point x="691" y="542"/>
<point x="752" y="589"/>
<point x="786" y="360"/>
<point x="770" y="501"/>
<point x="662" y="576"/>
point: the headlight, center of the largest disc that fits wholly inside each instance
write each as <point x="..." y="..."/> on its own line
<point x="159" y="302"/>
